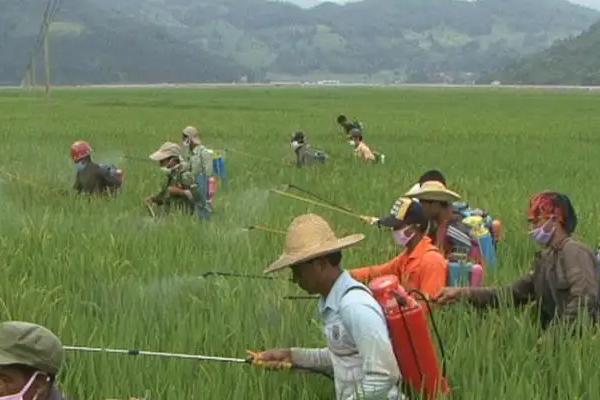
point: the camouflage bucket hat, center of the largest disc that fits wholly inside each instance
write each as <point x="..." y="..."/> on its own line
<point x="167" y="150"/>
<point x="32" y="345"/>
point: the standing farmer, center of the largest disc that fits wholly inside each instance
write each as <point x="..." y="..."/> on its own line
<point x="178" y="187"/>
<point x="30" y="358"/>
<point x="199" y="161"/>
<point x="420" y="266"/>
<point x="564" y="277"/>
<point x="359" y="351"/>
<point x="93" y="178"/>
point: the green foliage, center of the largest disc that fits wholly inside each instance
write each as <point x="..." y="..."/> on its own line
<point x="101" y="273"/>
<point x="222" y="40"/>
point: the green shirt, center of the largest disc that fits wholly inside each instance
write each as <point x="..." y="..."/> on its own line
<point x="181" y="178"/>
<point x="200" y="161"/>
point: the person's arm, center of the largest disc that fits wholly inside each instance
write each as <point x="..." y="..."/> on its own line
<point x="434" y="274"/>
<point x="522" y="292"/>
<point x="77" y="186"/>
<point x="367" y="274"/>
<point x="577" y="274"/>
<point x="364" y="320"/>
<point x="313" y="359"/>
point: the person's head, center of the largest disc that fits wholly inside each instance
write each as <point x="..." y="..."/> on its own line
<point x="313" y="252"/>
<point x="298" y="140"/>
<point x="30" y="359"/>
<point x="407" y="222"/>
<point x="168" y="155"/>
<point x="342" y="119"/>
<point x="435" y="198"/>
<point x="356" y="136"/>
<point x="81" y="152"/>
<point x="433" y="175"/>
<point x="190" y="137"/>
<point x="551" y="215"/>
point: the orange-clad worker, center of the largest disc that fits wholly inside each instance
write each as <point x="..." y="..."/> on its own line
<point x="421" y="265"/>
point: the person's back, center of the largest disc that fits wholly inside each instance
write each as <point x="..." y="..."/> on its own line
<point x="93" y="179"/>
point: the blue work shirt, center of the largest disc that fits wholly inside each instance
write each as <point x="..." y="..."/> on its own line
<point x="359" y="351"/>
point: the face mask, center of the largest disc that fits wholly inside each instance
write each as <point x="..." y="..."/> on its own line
<point x="79" y="166"/>
<point x="351" y="143"/>
<point x="296" y="145"/>
<point x="186" y="142"/>
<point x="402" y="238"/>
<point x="541" y="235"/>
<point x="21" y="394"/>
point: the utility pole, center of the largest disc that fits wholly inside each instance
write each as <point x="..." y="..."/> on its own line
<point x="47" y="62"/>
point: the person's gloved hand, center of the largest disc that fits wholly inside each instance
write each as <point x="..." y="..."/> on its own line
<point x="369" y="220"/>
<point x="272" y="359"/>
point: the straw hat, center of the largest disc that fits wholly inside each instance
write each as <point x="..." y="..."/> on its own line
<point x="308" y="237"/>
<point x="433" y="191"/>
<point x="167" y="150"/>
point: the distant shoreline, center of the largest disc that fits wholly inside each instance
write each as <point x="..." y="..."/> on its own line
<point x="307" y="85"/>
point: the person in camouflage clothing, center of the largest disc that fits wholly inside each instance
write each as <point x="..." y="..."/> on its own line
<point x="198" y="161"/>
<point x="179" y="189"/>
<point x="305" y="154"/>
<point x="30" y="359"/>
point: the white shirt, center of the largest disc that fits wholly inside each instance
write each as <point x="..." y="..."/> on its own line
<point x="359" y="349"/>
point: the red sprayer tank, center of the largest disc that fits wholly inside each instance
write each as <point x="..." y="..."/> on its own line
<point x="411" y="339"/>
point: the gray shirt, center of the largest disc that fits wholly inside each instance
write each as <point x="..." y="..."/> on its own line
<point x="359" y="351"/>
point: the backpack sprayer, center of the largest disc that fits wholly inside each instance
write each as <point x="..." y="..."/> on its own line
<point x="197" y="357"/>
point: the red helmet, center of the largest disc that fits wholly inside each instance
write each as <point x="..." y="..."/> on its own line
<point x="80" y="149"/>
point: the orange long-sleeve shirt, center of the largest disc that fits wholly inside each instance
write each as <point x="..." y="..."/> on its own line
<point x="423" y="269"/>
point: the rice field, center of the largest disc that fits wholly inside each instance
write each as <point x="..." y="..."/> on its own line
<point x="104" y="273"/>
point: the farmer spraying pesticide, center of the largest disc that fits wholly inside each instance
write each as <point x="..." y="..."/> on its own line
<point x="420" y="266"/>
<point x="362" y="150"/>
<point x="92" y="178"/>
<point x="348" y="125"/>
<point x="30" y="359"/>
<point x="199" y="161"/>
<point x="305" y="154"/>
<point x="564" y="277"/>
<point x="359" y="351"/>
<point x="178" y="190"/>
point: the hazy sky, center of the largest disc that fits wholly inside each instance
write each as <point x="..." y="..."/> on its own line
<point x="310" y="3"/>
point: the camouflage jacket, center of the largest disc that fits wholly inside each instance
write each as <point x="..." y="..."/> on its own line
<point x="199" y="161"/>
<point x="306" y="155"/>
<point x="178" y="177"/>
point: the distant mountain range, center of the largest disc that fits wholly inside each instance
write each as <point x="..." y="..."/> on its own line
<point x="574" y="61"/>
<point x="100" y="41"/>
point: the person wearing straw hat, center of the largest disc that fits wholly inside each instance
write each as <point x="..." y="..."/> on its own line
<point x="198" y="159"/>
<point x="30" y="359"/>
<point x="359" y="351"/>
<point x="421" y="266"/>
<point x="178" y="189"/>
<point x="447" y="231"/>
<point x="564" y="277"/>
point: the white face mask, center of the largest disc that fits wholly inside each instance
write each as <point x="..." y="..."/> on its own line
<point x="21" y="394"/>
<point x="401" y="238"/>
<point x="186" y="142"/>
<point x="296" y="145"/>
<point x="79" y="166"/>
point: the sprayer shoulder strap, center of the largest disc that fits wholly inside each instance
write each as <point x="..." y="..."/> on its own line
<point x="364" y="289"/>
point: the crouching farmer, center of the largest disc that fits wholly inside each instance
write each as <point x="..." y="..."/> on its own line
<point x="359" y="352"/>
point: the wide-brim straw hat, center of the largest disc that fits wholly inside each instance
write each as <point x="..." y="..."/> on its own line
<point x="309" y="237"/>
<point x="433" y="191"/>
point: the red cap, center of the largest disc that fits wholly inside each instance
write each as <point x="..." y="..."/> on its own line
<point x="80" y="149"/>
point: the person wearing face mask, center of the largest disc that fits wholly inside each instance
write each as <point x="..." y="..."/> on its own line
<point x="92" y="178"/>
<point x="305" y="154"/>
<point x="421" y="265"/>
<point x="564" y="277"/>
<point x="179" y="189"/>
<point x="359" y="351"/>
<point x="30" y="359"/>
<point x="198" y="160"/>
